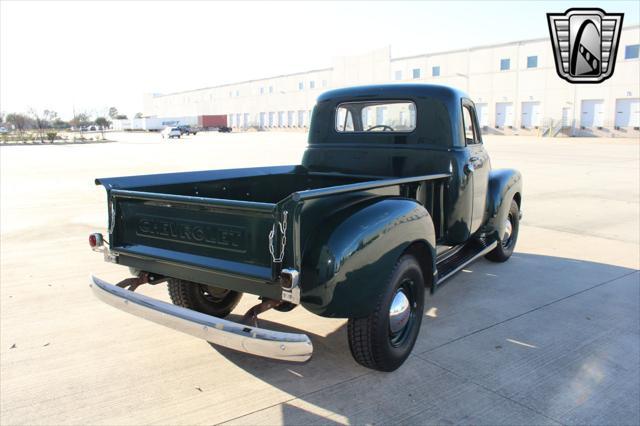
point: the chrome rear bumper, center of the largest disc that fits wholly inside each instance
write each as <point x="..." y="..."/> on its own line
<point x="252" y="340"/>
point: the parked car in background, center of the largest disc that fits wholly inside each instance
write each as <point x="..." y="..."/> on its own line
<point x="4" y="130"/>
<point x="224" y="129"/>
<point x="187" y="130"/>
<point x="171" y="132"/>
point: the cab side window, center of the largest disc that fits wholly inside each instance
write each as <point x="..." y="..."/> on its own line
<point x="470" y="131"/>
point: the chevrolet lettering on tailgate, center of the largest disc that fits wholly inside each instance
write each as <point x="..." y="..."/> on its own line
<point x="191" y="232"/>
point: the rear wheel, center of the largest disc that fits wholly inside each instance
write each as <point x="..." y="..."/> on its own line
<point x="507" y="243"/>
<point x="209" y="300"/>
<point x="383" y="340"/>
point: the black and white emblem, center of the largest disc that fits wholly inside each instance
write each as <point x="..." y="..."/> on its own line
<point x="585" y="42"/>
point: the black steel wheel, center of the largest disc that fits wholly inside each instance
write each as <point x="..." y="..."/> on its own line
<point x="383" y="340"/>
<point x="209" y="300"/>
<point x="508" y="239"/>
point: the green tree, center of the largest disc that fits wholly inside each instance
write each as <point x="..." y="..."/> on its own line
<point x="138" y="115"/>
<point x="102" y="124"/>
<point x="59" y="123"/>
<point x="20" y="122"/>
<point x="113" y="112"/>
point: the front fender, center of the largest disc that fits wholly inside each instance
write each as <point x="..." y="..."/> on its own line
<point x="504" y="186"/>
<point x="350" y="257"/>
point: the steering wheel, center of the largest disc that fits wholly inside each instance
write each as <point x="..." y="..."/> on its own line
<point x="383" y="126"/>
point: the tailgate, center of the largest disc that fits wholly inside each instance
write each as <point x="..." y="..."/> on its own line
<point x="224" y="235"/>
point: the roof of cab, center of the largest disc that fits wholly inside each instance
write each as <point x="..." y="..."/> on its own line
<point x="400" y="90"/>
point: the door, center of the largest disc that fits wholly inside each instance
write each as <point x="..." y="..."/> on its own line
<point x="628" y="113"/>
<point x="504" y="114"/>
<point x="592" y="113"/>
<point x="530" y="115"/>
<point x="477" y="167"/>
<point x="483" y="115"/>
<point x="262" y="120"/>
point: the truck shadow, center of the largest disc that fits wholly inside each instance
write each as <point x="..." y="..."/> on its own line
<point x="332" y="388"/>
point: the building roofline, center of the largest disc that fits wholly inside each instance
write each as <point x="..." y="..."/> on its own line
<point x="401" y="58"/>
<point x="243" y="82"/>
<point x="486" y="46"/>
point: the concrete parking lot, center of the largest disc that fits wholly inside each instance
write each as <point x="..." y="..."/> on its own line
<point x="550" y="337"/>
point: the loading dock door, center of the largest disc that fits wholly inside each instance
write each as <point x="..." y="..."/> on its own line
<point x="530" y="115"/>
<point x="628" y="112"/>
<point x="504" y="114"/>
<point x="483" y="116"/>
<point x="592" y="113"/>
<point x="565" y="117"/>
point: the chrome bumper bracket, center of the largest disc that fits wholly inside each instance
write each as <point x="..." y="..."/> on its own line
<point x="253" y="340"/>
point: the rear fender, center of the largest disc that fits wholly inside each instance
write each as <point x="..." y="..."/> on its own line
<point x="351" y="255"/>
<point x="504" y="186"/>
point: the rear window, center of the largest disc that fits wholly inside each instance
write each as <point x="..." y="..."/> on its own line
<point x="376" y="116"/>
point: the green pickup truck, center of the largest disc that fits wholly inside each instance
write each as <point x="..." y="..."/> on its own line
<point x="394" y="195"/>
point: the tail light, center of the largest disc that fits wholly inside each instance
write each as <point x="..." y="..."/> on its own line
<point x="96" y="240"/>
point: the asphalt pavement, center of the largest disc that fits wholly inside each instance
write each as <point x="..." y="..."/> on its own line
<point x="550" y="337"/>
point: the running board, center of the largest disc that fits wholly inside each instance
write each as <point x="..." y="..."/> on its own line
<point x="470" y="252"/>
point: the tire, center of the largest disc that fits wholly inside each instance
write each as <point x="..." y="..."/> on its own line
<point x="202" y="298"/>
<point x="285" y="307"/>
<point x="372" y="342"/>
<point x="507" y="243"/>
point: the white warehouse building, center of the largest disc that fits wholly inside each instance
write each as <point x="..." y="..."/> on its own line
<point x="514" y="85"/>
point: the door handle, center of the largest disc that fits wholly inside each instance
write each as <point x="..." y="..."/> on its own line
<point x="469" y="168"/>
<point x="473" y="164"/>
<point x="476" y="161"/>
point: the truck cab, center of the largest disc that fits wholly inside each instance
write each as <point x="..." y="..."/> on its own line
<point x="383" y="137"/>
<point x="394" y="194"/>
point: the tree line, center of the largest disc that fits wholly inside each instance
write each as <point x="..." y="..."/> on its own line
<point x="48" y="119"/>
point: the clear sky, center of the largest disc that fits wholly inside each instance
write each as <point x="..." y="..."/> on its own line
<point x="91" y="55"/>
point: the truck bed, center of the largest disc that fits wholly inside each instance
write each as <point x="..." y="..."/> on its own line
<point x="213" y="227"/>
<point x="271" y="188"/>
